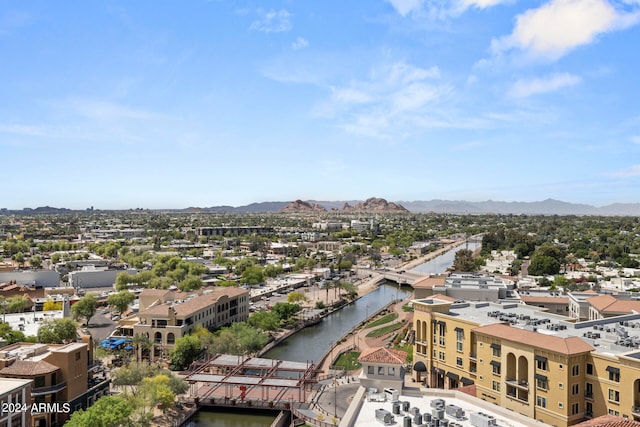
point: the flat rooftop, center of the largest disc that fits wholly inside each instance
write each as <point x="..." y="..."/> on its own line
<point x="469" y="404"/>
<point x="29" y="323"/>
<point x="618" y="335"/>
<point x="8" y="385"/>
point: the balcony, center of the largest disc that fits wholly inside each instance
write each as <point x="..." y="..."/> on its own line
<point x="635" y="410"/>
<point x="588" y="395"/>
<point x="520" y="398"/>
<point x="472" y="356"/>
<point x="588" y="414"/>
<point x="522" y="384"/>
<point x="43" y="391"/>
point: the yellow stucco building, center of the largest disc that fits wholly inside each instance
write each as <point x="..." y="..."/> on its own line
<point x="548" y="367"/>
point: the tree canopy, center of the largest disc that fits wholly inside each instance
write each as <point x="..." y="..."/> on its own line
<point x="57" y="331"/>
<point x="85" y="308"/>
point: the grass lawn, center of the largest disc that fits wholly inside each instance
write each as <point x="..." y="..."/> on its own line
<point x="348" y="361"/>
<point x="385" y="330"/>
<point x="381" y="321"/>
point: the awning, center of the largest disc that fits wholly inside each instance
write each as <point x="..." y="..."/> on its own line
<point x="540" y="377"/>
<point x="613" y="370"/>
<point x="459" y="330"/>
<point x="453" y="376"/>
<point x="540" y="358"/>
<point x="495" y="346"/>
<point x="442" y="323"/>
<point x="466" y="381"/>
<point x="420" y="367"/>
<point x="494" y="363"/>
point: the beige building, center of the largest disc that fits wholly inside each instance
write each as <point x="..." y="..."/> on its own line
<point x="548" y="367"/>
<point x="16" y="392"/>
<point x="61" y="374"/>
<point x="163" y="320"/>
<point x="382" y="368"/>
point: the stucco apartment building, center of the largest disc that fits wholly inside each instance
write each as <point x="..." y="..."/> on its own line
<point x="60" y="374"/>
<point x="546" y="366"/>
<point x="164" y="319"/>
<point x="16" y="392"/>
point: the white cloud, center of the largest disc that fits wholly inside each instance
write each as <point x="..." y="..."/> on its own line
<point x="272" y="21"/>
<point x="559" y="26"/>
<point x="524" y="88"/>
<point x="351" y="96"/>
<point x="404" y="7"/>
<point x="635" y="139"/>
<point x="405" y="73"/>
<point x="299" y="43"/>
<point x="631" y="171"/>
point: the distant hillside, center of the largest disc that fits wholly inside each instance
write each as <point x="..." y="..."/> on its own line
<point x="300" y="206"/>
<point x="544" y="207"/>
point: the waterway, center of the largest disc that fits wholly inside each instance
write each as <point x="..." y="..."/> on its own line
<point x="312" y="342"/>
<point x="440" y="264"/>
<point x="232" y="419"/>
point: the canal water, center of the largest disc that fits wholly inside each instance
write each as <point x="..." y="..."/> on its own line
<point x="232" y="419"/>
<point x="312" y="342"/>
<point x="440" y="264"/>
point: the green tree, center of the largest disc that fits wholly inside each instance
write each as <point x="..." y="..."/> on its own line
<point x="121" y="300"/>
<point x="17" y="304"/>
<point x="19" y="258"/>
<point x="35" y="261"/>
<point x="253" y="275"/>
<point x="463" y="261"/>
<point x="185" y="351"/>
<point x="9" y="335"/>
<point x="57" y="331"/>
<point x="543" y="265"/>
<point x="158" y="391"/>
<point x="85" y="308"/>
<point x="264" y="320"/>
<point x="190" y="283"/>
<point x="108" y="411"/>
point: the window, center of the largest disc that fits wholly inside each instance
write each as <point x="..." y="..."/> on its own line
<point x="380" y="370"/>
<point x="459" y="361"/>
<point x="560" y="386"/>
<point x="541" y="364"/>
<point x="614" y="375"/>
<point x="589" y="369"/>
<point x="575" y="370"/>
<point x="575" y="389"/>
<point x="560" y="405"/>
<point x="561" y="367"/>
<point x="613" y="412"/>
<point x="370" y="370"/>
<point x="77" y="355"/>
<point x="497" y="352"/>
<point x="39" y="382"/>
<point x="575" y="408"/>
<point x="496" y="367"/>
<point x="459" y="334"/>
<point x="495" y="385"/>
<point x="391" y="371"/>
<point x="541" y="401"/>
<point x="442" y="341"/>
<point x="542" y="384"/>
<point x="441" y="355"/>
<point x="614" y="395"/>
<point x="435" y="353"/>
<point x="459" y="346"/>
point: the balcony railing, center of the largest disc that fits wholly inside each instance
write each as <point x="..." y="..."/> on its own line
<point x="472" y="356"/>
<point x="588" y="395"/>
<point x="522" y="384"/>
<point x="41" y="391"/>
<point x="635" y="409"/>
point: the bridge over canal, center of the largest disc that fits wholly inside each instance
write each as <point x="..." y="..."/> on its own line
<point x="230" y="380"/>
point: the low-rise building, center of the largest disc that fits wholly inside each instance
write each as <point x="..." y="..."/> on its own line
<point x="163" y="323"/>
<point x="15" y="394"/>
<point x="65" y="377"/>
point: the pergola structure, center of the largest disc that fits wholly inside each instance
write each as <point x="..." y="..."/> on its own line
<point x="251" y="378"/>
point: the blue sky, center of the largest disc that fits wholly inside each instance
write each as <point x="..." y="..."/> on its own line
<point x="166" y="104"/>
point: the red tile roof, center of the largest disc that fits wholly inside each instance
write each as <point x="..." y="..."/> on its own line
<point x="429" y="282"/>
<point x="609" y="421"/>
<point x="28" y="368"/>
<point x="570" y="345"/>
<point x="612" y="305"/>
<point x="193" y="305"/>
<point x="383" y="355"/>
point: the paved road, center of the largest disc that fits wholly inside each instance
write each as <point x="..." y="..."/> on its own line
<point x="101" y="325"/>
<point x="338" y="397"/>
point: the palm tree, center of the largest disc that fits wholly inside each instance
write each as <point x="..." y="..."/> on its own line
<point x="142" y="344"/>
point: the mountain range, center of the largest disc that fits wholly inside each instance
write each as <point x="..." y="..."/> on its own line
<point x="544" y="207"/>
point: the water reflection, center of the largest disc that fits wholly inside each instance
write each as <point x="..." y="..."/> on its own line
<point x="312" y="342"/>
<point x="440" y="264"/>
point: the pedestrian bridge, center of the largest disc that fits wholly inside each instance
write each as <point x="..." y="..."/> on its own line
<point x="230" y="380"/>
